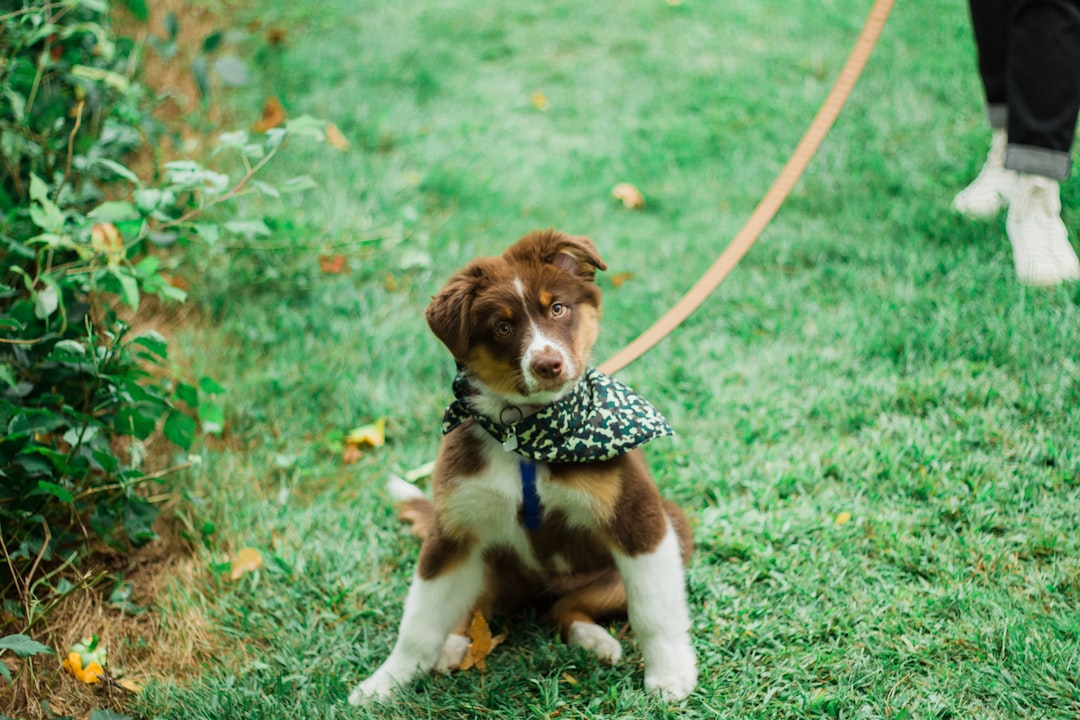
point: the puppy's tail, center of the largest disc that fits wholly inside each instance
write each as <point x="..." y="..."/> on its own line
<point x="413" y="506"/>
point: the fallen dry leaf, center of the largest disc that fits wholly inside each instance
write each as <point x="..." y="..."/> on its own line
<point x="333" y="264"/>
<point x="335" y="139"/>
<point x="843" y="518"/>
<point x="273" y="114"/>
<point x="245" y="561"/>
<point x="276" y="36"/>
<point x="539" y="101"/>
<point x="106" y="239"/>
<point x="373" y="434"/>
<point x="90" y="674"/>
<point x="351" y="454"/>
<point x="482" y="643"/>
<point x="570" y="678"/>
<point x="630" y="196"/>
<point x="130" y="685"/>
<point x="619" y="278"/>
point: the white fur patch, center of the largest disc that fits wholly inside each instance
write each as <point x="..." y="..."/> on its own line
<point x="402" y="491"/>
<point x="486" y="506"/>
<point x="432" y="609"/>
<point x="656" y="596"/>
<point x="596" y="640"/>
<point x="538" y="343"/>
<point x="453" y="652"/>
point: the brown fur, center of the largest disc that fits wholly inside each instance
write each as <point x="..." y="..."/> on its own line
<point x="478" y="315"/>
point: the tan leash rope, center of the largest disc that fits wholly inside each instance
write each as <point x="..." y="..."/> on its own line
<point x="773" y="199"/>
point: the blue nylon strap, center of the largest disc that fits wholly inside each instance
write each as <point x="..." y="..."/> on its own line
<point x="530" y="500"/>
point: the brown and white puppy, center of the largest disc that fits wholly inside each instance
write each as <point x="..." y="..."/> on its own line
<point x="521" y="328"/>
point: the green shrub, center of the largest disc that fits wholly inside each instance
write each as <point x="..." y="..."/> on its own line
<point x="79" y="392"/>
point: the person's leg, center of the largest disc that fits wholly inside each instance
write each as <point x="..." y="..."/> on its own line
<point x="989" y="21"/>
<point x="1043" y="87"/>
<point x="988" y="192"/>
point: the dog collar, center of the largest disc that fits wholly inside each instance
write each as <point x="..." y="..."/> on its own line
<point x="601" y="418"/>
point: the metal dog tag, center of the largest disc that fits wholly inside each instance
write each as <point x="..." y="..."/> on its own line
<point x="510" y="444"/>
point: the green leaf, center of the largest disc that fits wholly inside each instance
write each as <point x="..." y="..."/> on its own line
<point x="68" y="349"/>
<point x="155" y="342"/>
<point x="38" y="189"/>
<point x="46" y="215"/>
<point x="119" y="169"/>
<point x="248" y="228"/>
<point x="23" y="646"/>
<point x="188" y="394"/>
<point x="130" y="421"/>
<point x="139" y="10"/>
<point x="58" y="491"/>
<point x="172" y="26"/>
<point x="95" y="74"/>
<point x="307" y="126"/>
<point x="266" y="189"/>
<point x="46" y="301"/>
<point x="7" y="375"/>
<point x="139" y="518"/>
<point x="114" y="211"/>
<point x="211" y="42"/>
<point x="200" y="69"/>
<point x="232" y="70"/>
<point x="209" y="232"/>
<point x="210" y="386"/>
<point x="148" y="266"/>
<point x="297" y="184"/>
<point x="212" y="417"/>
<point x="7" y="676"/>
<point x="179" y="429"/>
<point x="128" y="284"/>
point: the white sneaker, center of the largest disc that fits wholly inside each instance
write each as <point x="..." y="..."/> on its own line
<point x="1041" y="250"/>
<point x="989" y="191"/>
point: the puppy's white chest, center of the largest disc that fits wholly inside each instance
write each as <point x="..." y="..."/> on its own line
<point x="488" y="504"/>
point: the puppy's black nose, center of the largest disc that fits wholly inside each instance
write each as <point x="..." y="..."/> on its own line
<point x="547" y="364"/>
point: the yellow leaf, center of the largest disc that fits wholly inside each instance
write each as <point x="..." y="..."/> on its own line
<point x="106" y="239"/>
<point x="482" y="643"/>
<point x="619" y="278"/>
<point x="630" y="196"/>
<point x="539" y="101"/>
<point x="130" y="685"/>
<point x="373" y="434"/>
<point x="843" y="518"/>
<point x="335" y="139"/>
<point x="570" y="678"/>
<point x="273" y="114"/>
<point x="246" y="560"/>
<point x="91" y="674"/>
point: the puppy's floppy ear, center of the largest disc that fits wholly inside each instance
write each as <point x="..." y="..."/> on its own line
<point x="448" y="313"/>
<point x="574" y="253"/>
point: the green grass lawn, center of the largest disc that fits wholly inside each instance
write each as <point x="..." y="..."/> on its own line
<point x="874" y="355"/>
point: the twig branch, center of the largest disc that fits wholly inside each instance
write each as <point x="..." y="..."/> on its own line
<point x="70" y="149"/>
<point x="137" y="481"/>
<point x="195" y="212"/>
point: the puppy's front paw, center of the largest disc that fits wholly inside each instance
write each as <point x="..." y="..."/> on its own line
<point x="596" y="640"/>
<point x="672" y="672"/>
<point x="376" y="688"/>
<point x="453" y="652"/>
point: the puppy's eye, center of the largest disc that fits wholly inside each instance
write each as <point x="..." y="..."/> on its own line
<point x="503" y="329"/>
<point x="557" y="310"/>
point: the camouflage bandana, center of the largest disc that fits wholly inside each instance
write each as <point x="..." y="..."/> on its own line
<point x="599" y="419"/>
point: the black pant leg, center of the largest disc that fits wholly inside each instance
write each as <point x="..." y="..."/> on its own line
<point x="990" y="22"/>
<point x="1043" y="77"/>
